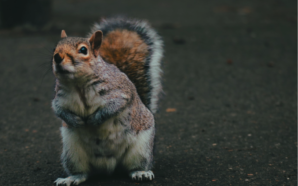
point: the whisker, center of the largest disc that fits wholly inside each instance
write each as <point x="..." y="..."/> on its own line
<point x="48" y="70"/>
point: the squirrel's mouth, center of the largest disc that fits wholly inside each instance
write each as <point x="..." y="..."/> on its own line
<point x="60" y="70"/>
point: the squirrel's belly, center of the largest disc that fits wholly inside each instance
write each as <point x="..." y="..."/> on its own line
<point x="103" y="145"/>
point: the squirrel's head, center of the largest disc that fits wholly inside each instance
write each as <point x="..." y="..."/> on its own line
<point x="74" y="57"/>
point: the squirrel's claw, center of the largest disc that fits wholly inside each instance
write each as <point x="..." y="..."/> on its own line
<point x="142" y="175"/>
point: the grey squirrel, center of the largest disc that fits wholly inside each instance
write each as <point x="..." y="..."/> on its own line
<point x="107" y="89"/>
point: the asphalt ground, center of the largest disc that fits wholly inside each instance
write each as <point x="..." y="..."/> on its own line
<point x="229" y="114"/>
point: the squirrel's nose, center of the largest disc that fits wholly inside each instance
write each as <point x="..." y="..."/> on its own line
<point x="58" y="59"/>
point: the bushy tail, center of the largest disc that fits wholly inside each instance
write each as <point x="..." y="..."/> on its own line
<point x="136" y="49"/>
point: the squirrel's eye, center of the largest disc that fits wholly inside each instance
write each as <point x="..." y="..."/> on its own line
<point x="83" y="50"/>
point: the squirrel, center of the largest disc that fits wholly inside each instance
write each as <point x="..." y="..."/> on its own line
<point x="107" y="89"/>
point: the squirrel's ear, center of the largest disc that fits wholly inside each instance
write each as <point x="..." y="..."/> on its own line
<point x="95" y="42"/>
<point x="63" y="34"/>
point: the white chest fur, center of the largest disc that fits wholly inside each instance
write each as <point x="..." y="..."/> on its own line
<point x="82" y="101"/>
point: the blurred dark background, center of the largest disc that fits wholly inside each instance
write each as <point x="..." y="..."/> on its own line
<point x="21" y="12"/>
<point x="229" y="114"/>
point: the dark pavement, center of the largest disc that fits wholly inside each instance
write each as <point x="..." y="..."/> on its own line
<point x="229" y="114"/>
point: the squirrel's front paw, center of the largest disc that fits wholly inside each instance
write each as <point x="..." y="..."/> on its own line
<point x="70" y="118"/>
<point x="74" y="121"/>
<point x="93" y="119"/>
<point x="78" y="120"/>
<point x="142" y="175"/>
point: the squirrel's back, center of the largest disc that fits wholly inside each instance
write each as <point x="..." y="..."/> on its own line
<point x="136" y="49"/>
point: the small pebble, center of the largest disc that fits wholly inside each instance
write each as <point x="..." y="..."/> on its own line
<point x="229" y="62"/>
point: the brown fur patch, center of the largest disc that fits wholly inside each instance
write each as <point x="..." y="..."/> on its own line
<point x="64" y="51"/>
<point x="142" y="118"/>
<point x="68" y="49"/>
<point x="64" y="124"/>
<point x="128" y="52"/>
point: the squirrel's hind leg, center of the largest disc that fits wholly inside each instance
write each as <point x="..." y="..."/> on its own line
<point x="138" y="159"/>
<point x="71" y="180"/>
<point x="74" y="159"/>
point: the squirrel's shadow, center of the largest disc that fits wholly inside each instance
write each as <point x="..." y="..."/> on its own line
<point x="112" y="179"/>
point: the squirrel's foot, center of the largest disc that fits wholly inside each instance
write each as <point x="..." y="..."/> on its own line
<point x="142" y="175"/>
<point x="75" y="180"/>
